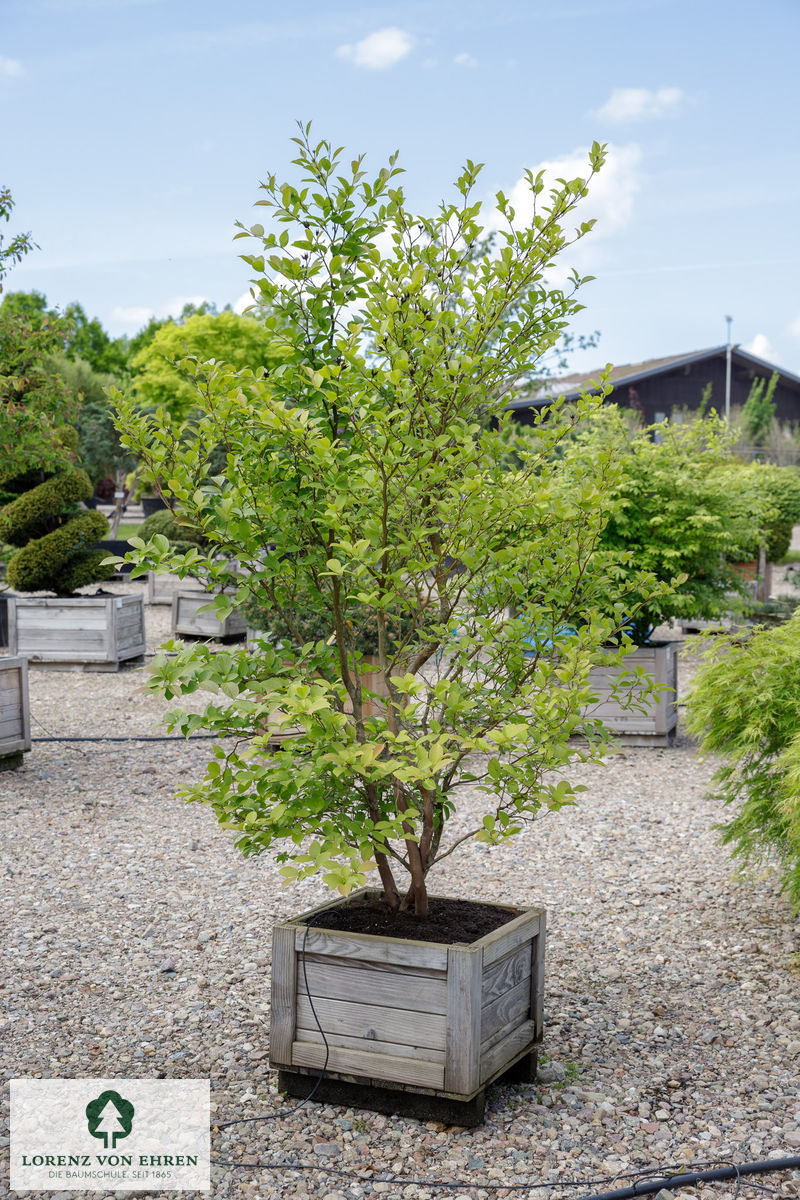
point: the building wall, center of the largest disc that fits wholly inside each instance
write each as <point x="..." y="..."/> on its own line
<point x="658" y="395"/>
<point x="683" y="388"/>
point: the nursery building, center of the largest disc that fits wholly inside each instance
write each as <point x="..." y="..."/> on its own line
<point x="662" y="386"/>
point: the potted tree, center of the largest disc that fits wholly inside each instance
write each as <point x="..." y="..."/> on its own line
<point x="364" y="488"/>
<point x="56" y="552"/>
<point x="678" y="515"/>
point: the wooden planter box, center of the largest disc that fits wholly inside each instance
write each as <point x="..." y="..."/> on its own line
<point x="15" y="719"/>
<point x="374" y="680"/>
<point x="164" y="593"/>
<point x="657" y="725"/>
<point x="436" y="1020"/>
<point x="91" y="632"/>
<point x="187" y="620"/>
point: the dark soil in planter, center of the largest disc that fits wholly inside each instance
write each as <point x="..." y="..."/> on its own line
<point x="448" y="921"/>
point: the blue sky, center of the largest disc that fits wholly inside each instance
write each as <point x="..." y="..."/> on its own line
<point x="135" y="133"/>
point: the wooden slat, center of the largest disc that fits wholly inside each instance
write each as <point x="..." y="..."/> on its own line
<point x="537" y="975"/>
<point x="394" y="1049"/>
<point x="12" y="746"/>
<point x="396" y="987"/>
<point x="506" y="972"/>
<point x="370" y="1066"/>
<point x="510" y="936"/>
<point x="15" y="720"/>
<point x="505" y="1052"/>
<point x="369" y="948"/>
<point x="498" y="1036"/>
<point x="462" y="1064"/>
<point x="511" y="1008"/>
<point x="364" y="964"/>
<point x="69" y="619"/>
<point x="284" y="994"/>
<point x="372" y="1022"/>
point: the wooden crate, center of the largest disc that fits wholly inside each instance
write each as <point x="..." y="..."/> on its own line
<point x="186" y="620"/>
<point x="161" y="588"/>
<point x="15" y="718"/>
<point x="657" y="725"/>
<point x="89" y="632"/>
<point x="413" y="1016"/>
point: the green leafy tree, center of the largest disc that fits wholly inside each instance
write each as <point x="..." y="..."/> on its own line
<point x="88" y="340"/>
<point x="83" y="338"/>
<point x="32" y="305"/>
<point x="759" y="409"/>
<point x="676" y="516"/>
<point x="20" y="244"/>
<point x="161" y="379"/>
<point x="743" y="708"/>
<point x="101" y="452"/>
<point x="365" y="489"/>
<point x="32" y="403"/>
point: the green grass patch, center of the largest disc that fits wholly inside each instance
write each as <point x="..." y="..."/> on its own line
<point x="128" y="530"/>
<point x="791" y="556"/>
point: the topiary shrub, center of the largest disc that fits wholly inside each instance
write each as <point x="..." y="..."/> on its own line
<point x="54" y="537"/>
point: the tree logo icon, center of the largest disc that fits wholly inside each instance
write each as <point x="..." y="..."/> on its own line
<point x="110" y="1117"/>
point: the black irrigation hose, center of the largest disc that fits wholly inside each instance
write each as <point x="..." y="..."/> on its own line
<point x="642" y="1187"/>
<point x="691" y="1178"/>
<point x="146" y="737"/>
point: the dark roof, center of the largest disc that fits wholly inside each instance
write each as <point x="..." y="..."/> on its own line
<point x="572" y="385"/>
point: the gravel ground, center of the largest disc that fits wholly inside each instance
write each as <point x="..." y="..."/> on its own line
<point x="138" y="943"/>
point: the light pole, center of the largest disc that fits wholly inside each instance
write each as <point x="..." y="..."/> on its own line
<point x="728" y="373"/>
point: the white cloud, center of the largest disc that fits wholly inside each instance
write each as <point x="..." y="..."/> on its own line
<point x="794" y="328"/>
<point x="611" y="192"/>
<point x="639" y="104"/>
<point x="430" y="63"/>
<point x="380" y="50"/>
<point x="245" y="301"/>
<point x="761" y="347"/>
<point x="465" y="60"/>
<point x="11" y="68"/>
<point x="131" y="319"/>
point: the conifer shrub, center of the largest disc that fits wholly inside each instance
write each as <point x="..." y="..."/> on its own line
<point x="54" y="537"/>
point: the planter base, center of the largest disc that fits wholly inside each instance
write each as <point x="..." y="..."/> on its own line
<point x="10" y="762"/>
<point x="128" y="664"/>
<point x="402" y="1103"/>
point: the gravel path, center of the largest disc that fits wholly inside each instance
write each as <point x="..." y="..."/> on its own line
<point x="138" y="943"/>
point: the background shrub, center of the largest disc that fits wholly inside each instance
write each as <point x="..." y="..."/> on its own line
<point x="744" y="706"/>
